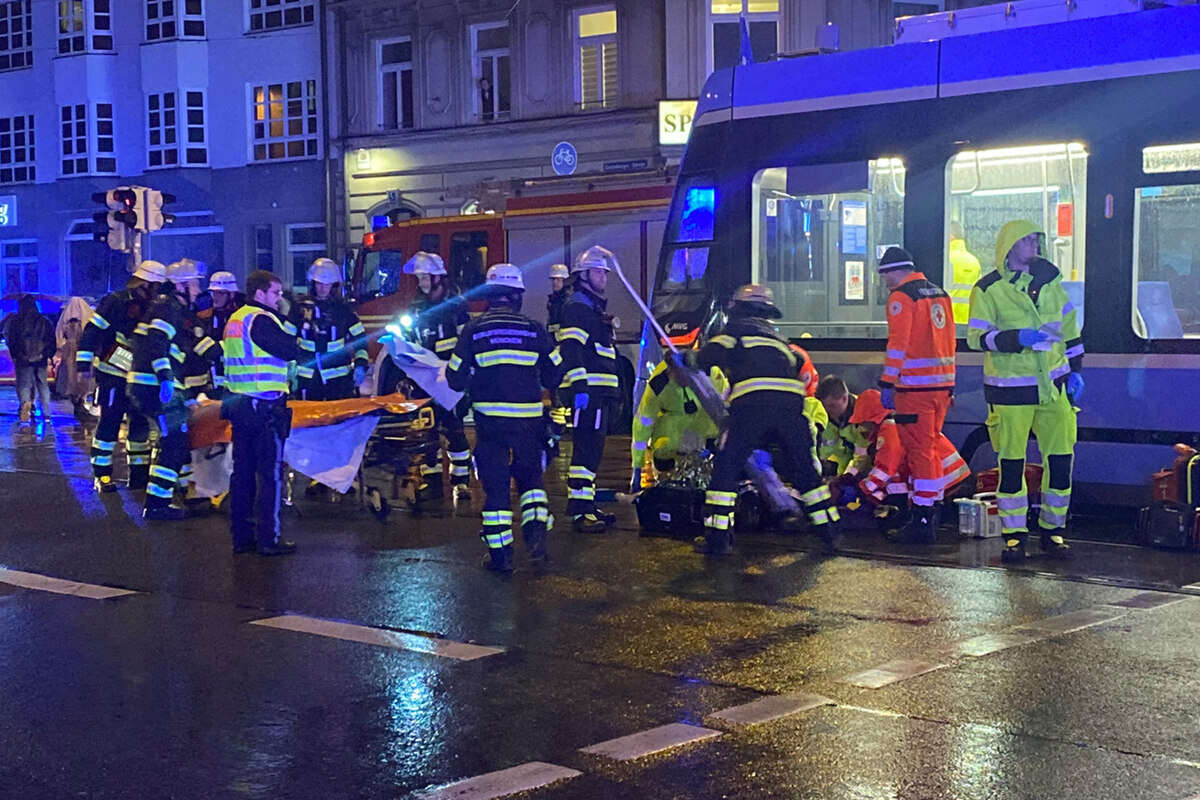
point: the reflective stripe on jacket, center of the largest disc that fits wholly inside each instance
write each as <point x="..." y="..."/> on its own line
<point x="249" y="369"/>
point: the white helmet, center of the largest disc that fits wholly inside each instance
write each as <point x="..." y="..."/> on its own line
<point x="185" y="269"/>
<point x="324" y="270"/>
<point x="559" y="271"/>
<point x="423" y="263"/>
<point x="507" y="276"/>
<point x="151" y="271"/>
<point x="222" y="282"/>
<point x="595" y="257"/>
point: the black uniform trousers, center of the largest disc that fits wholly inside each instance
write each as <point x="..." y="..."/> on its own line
<point x="591" y="429"/>
<point x="450" y="426"/>
<point x="174" y="449"/>
<point x="510" y="450"/>
<point x="114" y="407"/>
<point x="259" y="430"/>
<point x="757" y="423"/>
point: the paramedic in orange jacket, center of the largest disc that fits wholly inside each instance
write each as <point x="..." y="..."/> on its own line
<point x="917" y="381"/>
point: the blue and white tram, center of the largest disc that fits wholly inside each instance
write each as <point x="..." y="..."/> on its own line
<point x="799" y="173"/>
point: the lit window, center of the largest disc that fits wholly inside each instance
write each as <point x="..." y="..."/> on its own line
<point x="762" y="19"/>
<point x="1172" y="158"/>
<point x="490" y="70"/>
<point x="16" y="34"/>
<point x="174" y="19"/>
<point x="285" y="121"/>
<point x="84" y="25"/>
<point x="18" y="265"/>
<point x="1166" y="261"/>
<point x="305" y="244"/>
<point x="395" y="83"/>
<point x="595" y="32"/>
<point x="912" y="8"/>
<point x="266" y="15"/>
<point x="16" y="149"/>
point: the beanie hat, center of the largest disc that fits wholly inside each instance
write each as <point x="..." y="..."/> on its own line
<point x="896" y="258"/>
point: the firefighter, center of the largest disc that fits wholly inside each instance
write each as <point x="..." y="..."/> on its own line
<point x="438" y="315"/>
<point x="843" y="448"/>
<point x="226" y="299"/>
<point x="1023" y="320"/>
<point x="106" y="342"/>
<point x="156" y="382"/>
<point x="666" y="414"/>
<point x="918" y="381"/>
<point x="766" y="398"/>
<point x="558" y="413"/>
<point x="503" y="360"/>
<point x="590" y="377"/>
<point x="334" y="363"/>
<point x="964" y="272"/>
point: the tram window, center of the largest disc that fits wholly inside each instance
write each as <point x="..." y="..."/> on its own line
<point x="818" y="231"/>
<point x="381" y="272"/>
<point x="1046" y="184"/>
<point x="1166" y="262"/>
<point x="693" y="219"/>
<point x="430" y="242"/>
<point x="1171" y="158"/>
<point x="468" y="258"/>
<point x="686" y="269"/>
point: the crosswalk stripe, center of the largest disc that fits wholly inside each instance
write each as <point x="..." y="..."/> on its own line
<point x="655" y="740"/>
<point x="989" y="643"/>
<point x="1074" y="621"/>
<point x="1147" y="600"/>
<point x="505" y="782"/>
<point x="766" y="709"/>
<point x="44" y="583"/>
<point x="397" y="640"/>
<point x="889" y="673"/>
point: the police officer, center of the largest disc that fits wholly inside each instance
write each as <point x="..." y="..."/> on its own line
<point x="334" y="363"/>
<point x="503" y="360"/>
<point x="438" y="315"/>
<point x="1024" y="321"/>
<point x="766" y="400"/>
<point x="226" y="299"/>
<point x="590" y="375"/>
<point x="558" y="413"/>
<point x="258" y="345"/>
<point x="106" y="342"/>
<point x="157" y="381"/>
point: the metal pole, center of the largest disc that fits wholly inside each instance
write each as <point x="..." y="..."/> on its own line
<point x="136" y="250"/>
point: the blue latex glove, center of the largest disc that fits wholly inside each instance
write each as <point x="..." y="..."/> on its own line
<point x="360" y="375"/>
<point x="166" y="390"/>
<point x="1074" y="387"/>
<point x="888" y="398"/>
<point x="581" y="401"/>
<point x="1028" y="337"/>
<point x="847" y="495"/>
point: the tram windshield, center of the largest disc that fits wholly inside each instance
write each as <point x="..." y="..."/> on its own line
<point x="1166" y="262"/>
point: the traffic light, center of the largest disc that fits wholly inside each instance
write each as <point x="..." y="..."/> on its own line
<point x="114" y="226"/>
<point x="154" y="216"/>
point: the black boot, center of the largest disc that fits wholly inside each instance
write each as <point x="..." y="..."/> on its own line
<point x="589" y="523"/>
<point x="1054" y="545"/>
<point x="831" y="536"/>
<point x="535" y="544"/>
<point x="714" y="543"/>
<point x="139" y="476"/>
<point x="431" y="488"/>
<point x="1014" y="549"/>
<point x="919" y="529"/>
<point x="162" y="510"/>
<point x="104" y="484"/>
<point x="499" y="559"/>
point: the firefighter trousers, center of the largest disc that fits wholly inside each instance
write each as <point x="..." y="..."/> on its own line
<point x="1053" y="424"/>
<point x="115" y="407"/>
<point x="919" y="417"/>
<point x="174" y="452"/>
<point x="450" y="426"/>
<point x="511" y="451"/>
<point x="587" y="449"/>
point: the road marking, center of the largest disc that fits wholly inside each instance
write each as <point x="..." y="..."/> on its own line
<point x="1195" y="587"/>
<point x="889" y="673"/>
<point x="766" y="709"/>
<point x="990" y="643"/>
<point x="1074" y="621"/>
<point x="44" y="583"/>
<point x="1147" y="600"/>
<point x="655" y="740"/>
<point x="523" y="778"/>
<point x="332" y="629"/>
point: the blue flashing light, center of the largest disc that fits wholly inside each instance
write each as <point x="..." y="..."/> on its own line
<point x="699" y="207"/>
<point x="379" y="221"/>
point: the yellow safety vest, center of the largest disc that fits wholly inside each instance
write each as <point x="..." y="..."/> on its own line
<point x="248" y="368"/>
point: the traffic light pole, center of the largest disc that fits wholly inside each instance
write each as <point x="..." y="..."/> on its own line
<point x="136" y="249"/>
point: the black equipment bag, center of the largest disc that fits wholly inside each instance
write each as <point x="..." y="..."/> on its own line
<point x="671" y="510"/>
<point x="1168" y="525"/>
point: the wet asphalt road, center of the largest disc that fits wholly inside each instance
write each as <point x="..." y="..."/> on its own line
<point x="171" y="693"/>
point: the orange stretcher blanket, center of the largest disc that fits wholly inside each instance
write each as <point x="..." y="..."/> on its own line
<point x="205" y="426"/>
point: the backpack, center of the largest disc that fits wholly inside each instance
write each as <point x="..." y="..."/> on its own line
<point x="31" y="339"/>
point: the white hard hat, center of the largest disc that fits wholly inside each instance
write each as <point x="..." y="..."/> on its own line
<point x="151" y="271"/>
<point x="559" y="271"/>
<point x="423" y="263"/>
<point x="595" y="257"/>
<point x="507" y="276"/>
<point x="183" y="270"/>
<point x="222" y="282"/>
<point x="324" y="270"/>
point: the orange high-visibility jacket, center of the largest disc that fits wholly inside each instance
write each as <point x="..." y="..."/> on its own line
<point x="921" y="342"/>
<point x="808" y="371"/>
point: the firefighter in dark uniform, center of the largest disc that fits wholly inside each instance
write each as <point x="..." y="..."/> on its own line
<point x="258" y="344"/>
<point x="106" y="343"/>
<point x="438" y="315"/>
<point x="558" y="414"/>
<point x="766" y="401"/>
<point x="156" y="383"/>
<point x="226" y="299"/>
<point x="334" y="362"/>
<point x="503" y="360"/>
<point x="590" y="376"/>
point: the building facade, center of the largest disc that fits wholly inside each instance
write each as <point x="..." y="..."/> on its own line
<point x="215" y="101"/>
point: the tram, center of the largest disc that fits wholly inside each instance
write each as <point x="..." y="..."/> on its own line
<point x="800" y="172"/>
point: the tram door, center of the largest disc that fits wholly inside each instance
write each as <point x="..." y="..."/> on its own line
<point x="818" y="233"/>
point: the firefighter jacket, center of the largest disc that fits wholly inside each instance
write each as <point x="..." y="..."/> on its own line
<point x="437" y="325"/>
<point x="335" y="341"/>
<point x="921" y="342"/>
<point x="668" y="409"/>
<point x="1006" y="301"/>
<point x="215" y="321"/>
<point x="844" y="443"/>
<point x="107" y="339"/>
<point x="964" y="272"/>
<point x="586" y="341"/>
<point x="554" y="309"/>
<point x="503" y="360"/>
<point x="758" y="364"/>
<point x="170" y="345"/>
